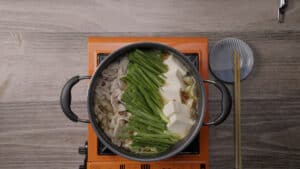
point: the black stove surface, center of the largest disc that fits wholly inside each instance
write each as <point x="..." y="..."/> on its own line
<point x="193" y="148"/>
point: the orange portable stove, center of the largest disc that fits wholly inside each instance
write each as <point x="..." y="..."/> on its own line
<point x="195" y="156"/>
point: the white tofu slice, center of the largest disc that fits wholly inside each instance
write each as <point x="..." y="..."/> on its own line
<point x="176" y="107"/>
<point x="171" y="90"/>
<point x="180" y="75"/>
<point x="180" y="126"/>
<point x="169" y="109"/>
<point x="179" y="117"/>
<point x="182" y="109"/>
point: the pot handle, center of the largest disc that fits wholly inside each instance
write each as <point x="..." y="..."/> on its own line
<point x="226" y="103"/>
<point x="66" y="98"/>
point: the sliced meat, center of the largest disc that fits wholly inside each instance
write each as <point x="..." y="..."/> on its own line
<point x="110" y="111"/>
<point x="122" y="72"/>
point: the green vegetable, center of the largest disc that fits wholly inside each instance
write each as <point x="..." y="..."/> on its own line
<point x="146" y="126"/>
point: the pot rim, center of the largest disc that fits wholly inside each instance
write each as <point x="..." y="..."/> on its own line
<point x="201" y="103"/>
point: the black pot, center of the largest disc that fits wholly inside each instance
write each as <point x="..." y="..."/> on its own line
<point x="65" y="101"/>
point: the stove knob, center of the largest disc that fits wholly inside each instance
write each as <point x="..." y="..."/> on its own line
<point x="82" y="167"/>
<point x="83" y="149"/>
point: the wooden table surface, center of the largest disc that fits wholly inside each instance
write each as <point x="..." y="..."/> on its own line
<point x="43" y="43"/>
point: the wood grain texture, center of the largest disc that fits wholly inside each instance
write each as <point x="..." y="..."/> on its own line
<point x="270" y="135"/>
<point x="34" y="66"/>
<point x="37" y="135"/>
<point x="145" y="15"/>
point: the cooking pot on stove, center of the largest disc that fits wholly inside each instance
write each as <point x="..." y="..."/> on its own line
<point x="65" y="101"/>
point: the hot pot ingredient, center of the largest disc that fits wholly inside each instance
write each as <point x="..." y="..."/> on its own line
<point x="146" y="101"/>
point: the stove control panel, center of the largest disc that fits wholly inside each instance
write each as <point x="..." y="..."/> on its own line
<point x="83" y="150"/>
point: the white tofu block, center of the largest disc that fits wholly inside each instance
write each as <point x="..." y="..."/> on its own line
<point x="171" y="92"/>
<point x="181" y="109"/>
<point x="177" y="107"/>
<point x="180" y="75"/>
<point x="177" y="113"/>
<point x="169" y="109"/>
<point x="179" y="126"/>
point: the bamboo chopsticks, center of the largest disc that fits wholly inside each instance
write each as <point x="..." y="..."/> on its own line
<point x="237" y="109"/>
